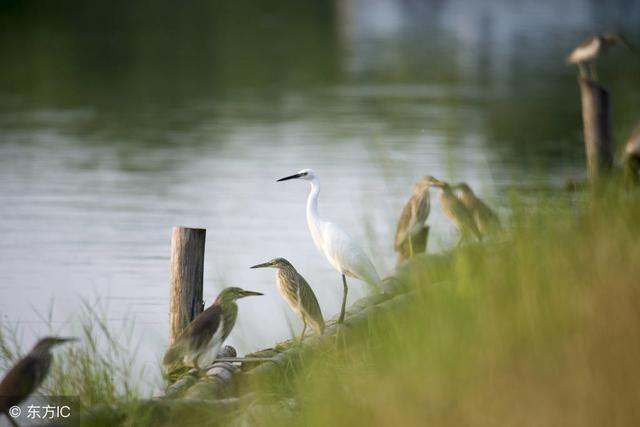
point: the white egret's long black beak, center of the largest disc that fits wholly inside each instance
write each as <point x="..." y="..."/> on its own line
<point x="294" y="176"/>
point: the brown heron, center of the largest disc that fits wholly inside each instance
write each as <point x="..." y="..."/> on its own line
<point x="200" y="342"/>
<point x="27" y="374"/>
<point x="298" y="294"/>
<point x="589" y="50"/>
<point x="456" y="211"/>
<point x="341" y="250"/>
<point x="485" y="218"/>
<point x="414" y="215"/>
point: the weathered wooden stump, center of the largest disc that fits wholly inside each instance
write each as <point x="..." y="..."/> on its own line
<point x="187" y="269"/>
<point x="596" y="120"/>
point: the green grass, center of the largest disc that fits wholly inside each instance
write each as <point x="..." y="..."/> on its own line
<point x="542" y="329"/>
<point x="100" y="369"/>
<point x="539" y="328"/>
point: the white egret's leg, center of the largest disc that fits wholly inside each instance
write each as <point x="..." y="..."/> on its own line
<point x="344" y="299"/>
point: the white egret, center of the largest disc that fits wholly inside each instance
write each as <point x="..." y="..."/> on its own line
<point x="343" y="251"/>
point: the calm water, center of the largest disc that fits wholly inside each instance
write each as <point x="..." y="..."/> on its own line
<point x="117" y="123"/>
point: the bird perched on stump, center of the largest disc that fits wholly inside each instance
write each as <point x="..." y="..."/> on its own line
<point x="588" y="51"/>
<point x="456" y="211"/>
<point x="341" y="250"/>
<point x="27" y="375"/>
<point x="298" y="294"/>
<point x="200" y="342"/>
<point x="414" y="215"/>
<point x="485" y="218"/>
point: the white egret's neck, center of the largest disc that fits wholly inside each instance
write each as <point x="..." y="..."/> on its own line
<point x="313" y="218"/>
<point x="312" y="201"/>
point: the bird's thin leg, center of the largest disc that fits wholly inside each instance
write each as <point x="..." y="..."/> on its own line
<point x="304" y="329"/>
<point x="344" y="299"/>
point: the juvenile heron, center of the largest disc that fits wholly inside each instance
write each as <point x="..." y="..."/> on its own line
<point x="200" y="342"/>
<point x="456" y="211"/>
<point x="589" y="50"/>
<point x="340" y="249"/>
<point x="298" y="294"/>
<point x="27" y="375"/>
<point x="485" y="218"/>
<point x="414" y="215"/>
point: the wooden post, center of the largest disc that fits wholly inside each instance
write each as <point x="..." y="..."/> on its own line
<point x="187" y="268"/>
<point x="596" y="120"/>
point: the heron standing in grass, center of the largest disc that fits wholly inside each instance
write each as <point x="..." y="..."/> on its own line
<point x="200" y="342"/>
<point x="455" y="211"/>
<point x="485" y="218"/>
<point x="298" y="294"/>
<point x="27" y="375"/>
<point x="414" y="215"/>
<point x="341" y="250"/>
<point x="586" y="53"/>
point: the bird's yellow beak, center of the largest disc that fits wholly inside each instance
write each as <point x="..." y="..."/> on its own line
<point x="263" y="265"/>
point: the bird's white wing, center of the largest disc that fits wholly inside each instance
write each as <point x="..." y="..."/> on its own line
<point x="345" y="255"/>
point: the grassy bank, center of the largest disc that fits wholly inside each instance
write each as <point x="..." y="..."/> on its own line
<point x="538" y="328"/>
<point x="543" y="329"/>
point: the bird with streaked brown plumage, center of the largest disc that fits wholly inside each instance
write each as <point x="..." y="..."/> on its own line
<point x="413" y="217"/>
<point x="298" y="294"/>
<point x="456" y="211"/>
<point x="591" y="48"/>
<point x="485" y="218"/>
<point x="27" y="374"/>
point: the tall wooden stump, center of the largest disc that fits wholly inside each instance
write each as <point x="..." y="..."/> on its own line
<point x="596" y="120"/>
<point x="187" y="269"/>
